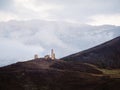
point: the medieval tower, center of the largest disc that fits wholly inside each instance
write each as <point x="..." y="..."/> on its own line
<point x="35" y="56"/>
<point x="52" y="55"/>
<point x="47" y="57"/>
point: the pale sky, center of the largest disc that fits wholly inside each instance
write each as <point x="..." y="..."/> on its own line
<point x="29" y="27"/>
<point x="95" y="12"/>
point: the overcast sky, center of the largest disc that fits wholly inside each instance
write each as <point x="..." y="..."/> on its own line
<point x="29" y="27"/>
<point x="81" y="11"/>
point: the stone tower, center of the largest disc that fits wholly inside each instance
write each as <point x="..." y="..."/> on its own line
<point x="52" y="55"/>
<point x="35" y="56"/>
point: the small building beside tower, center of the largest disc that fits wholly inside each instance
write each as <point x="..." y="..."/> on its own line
<point x="51" y="56"/>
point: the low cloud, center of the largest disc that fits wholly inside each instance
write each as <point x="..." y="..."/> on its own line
<point x="20" y="40"/>
<point x="13" y="51"/>
<point x="105" y="19"/>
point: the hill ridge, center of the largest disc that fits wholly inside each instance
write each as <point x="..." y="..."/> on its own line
<point x="103" y="51"/>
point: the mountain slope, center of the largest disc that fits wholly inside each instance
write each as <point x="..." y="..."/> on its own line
<point x="106" y="55"/>
<point x="43" y="64"/>
<point x="41" y="74"/>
